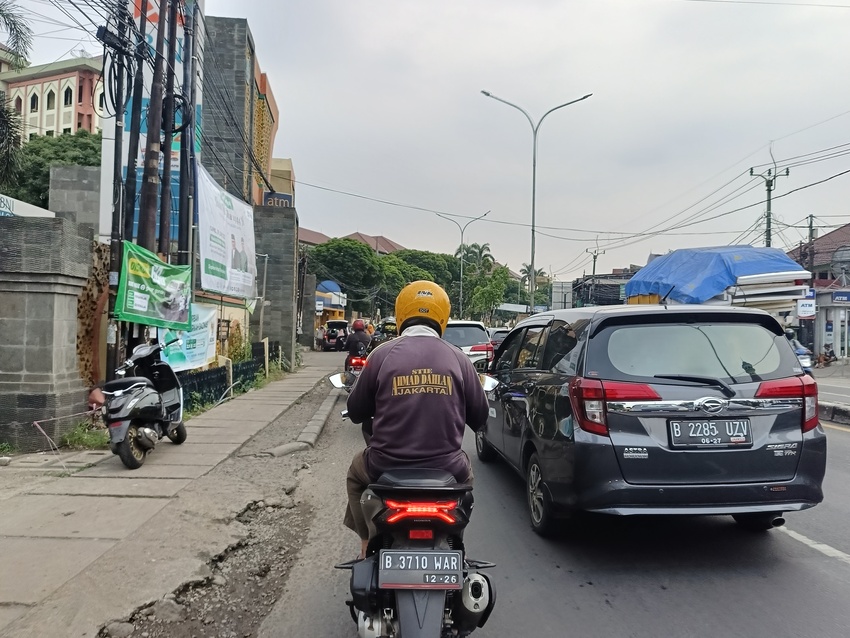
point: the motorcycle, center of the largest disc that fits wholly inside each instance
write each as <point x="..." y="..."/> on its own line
<point x="804" y="356"/>
<point x="416" y="579"/>
<point x="143" y="408"/>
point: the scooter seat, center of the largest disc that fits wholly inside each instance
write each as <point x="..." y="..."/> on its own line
<point x="122" y="384"/>
<point x="420" y="478"/>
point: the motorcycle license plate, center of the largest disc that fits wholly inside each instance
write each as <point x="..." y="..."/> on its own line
<point x="411" y="569"/>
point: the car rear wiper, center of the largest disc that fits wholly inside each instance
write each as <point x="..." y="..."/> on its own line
<point x="724" y="387"/>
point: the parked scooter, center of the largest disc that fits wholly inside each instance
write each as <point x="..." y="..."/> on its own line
<point x="143" y="408"/>
<point x="416" y="580"/>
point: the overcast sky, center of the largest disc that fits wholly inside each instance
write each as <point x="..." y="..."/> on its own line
<point x="381" y="98"/>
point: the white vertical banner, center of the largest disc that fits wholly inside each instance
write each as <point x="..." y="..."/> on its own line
<point x="225" y="240"/>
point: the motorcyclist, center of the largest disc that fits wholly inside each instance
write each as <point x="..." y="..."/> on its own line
<point x="795" y="343"/>
<point x="358" y="341"/>
<point x="420" y="392"/>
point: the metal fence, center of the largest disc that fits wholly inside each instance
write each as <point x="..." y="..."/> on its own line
<point x="203" y="387"/>
<point x="245" y="373"/>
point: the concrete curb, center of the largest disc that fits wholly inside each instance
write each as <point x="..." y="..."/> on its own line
<point x="837" y="412"/>
<point x="311" y="432"/>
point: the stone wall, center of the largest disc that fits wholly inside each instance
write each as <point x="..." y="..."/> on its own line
<point x="308" y="312"/>
<point x="75" y="194"/>
<point x="44" y="264"/>
<point x="276" y="232"/>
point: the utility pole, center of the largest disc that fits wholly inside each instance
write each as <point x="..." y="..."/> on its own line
<point x="263" y="295"/>
<point x="186" y="138"/>
<point x="150" y="181"/>
<point x="135" y="124"/>
<point x="595" y="254"/>
<point x="811" y="251"/>
<point x="168" y="133"/>
<point x="117" y="42"/>
<point x="770" y="183"/>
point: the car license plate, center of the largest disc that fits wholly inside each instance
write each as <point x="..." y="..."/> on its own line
<point x="710" y="433"/>
<point x="420" y="569"/>
<point x="331" y="339"/>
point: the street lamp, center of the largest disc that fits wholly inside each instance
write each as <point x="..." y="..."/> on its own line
<point x="534" y="129"/>
<point x="462" y="228"/>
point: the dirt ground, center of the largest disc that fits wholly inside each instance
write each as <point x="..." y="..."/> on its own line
<point x="245" y="581"/>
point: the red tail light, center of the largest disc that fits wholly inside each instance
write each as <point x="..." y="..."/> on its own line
<point x="421" y="534"/>
<point x="357" y="361"/>
<point x="590" y="397"/>
<point x="794" y="388"/>
<point x="439" y="510"/>
<point x="484" y="347"/>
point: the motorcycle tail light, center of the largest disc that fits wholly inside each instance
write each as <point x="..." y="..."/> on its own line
<point x="421" y="534"/>
<point x="439" y="510"/>
<point x="358" y="361"/>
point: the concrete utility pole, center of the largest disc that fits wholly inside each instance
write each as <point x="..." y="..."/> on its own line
<point x="135" y="124"/>
<point x="150" y="182"/>
<point x="118" y="43"/>
<point x="770" y="183"/>
<point x="184" y="223"/>
<point x="595" y="253"/>
<point x="168" y="133"/>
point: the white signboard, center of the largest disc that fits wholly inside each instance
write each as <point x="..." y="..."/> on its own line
<point x="806" y="308"/>
<point x="226" y="240"/>
<point x="10" y="207"/>
<point x="198" y="344"/>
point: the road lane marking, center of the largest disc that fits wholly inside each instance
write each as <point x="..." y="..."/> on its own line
<point x="835" y="427"/>
<point x="824" y="549"/>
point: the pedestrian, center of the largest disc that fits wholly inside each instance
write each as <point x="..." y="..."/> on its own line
<point x="320" y="337"/>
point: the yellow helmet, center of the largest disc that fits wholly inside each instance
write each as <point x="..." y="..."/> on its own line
<point x="423" y="300"/>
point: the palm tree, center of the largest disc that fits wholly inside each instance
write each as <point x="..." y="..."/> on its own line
<point x="477" y="255"/>
<point x="19" y="41"/>
<point x="525" y="271"/>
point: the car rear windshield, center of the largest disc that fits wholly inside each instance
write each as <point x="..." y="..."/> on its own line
<point x="337" y="325"/>
<point x="734" y="352"/>
<point x="462" y="336"/>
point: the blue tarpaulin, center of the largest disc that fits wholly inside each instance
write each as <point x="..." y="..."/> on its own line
<point x="695" y="275"/>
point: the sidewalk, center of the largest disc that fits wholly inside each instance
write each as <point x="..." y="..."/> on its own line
<point x="71" y="558"/>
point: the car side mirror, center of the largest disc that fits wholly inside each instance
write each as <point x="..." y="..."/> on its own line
<point x="488" y="383"/>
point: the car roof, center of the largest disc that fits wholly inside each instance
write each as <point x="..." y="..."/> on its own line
<point x="603" y="312"/>
<point x="463" y="322"/>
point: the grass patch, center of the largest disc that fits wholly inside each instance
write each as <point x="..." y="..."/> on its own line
<point x="86" y="437"/>
<point x="7" y="449"/>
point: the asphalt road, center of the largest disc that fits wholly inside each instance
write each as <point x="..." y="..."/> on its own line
<point x="615" y="577"/>
<point x="833" y="383"/>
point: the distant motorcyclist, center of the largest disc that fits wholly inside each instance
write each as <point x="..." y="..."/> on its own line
<point x="421" y="392"/>
<point x="358" y="341"/>
<point x="795" y="343"/>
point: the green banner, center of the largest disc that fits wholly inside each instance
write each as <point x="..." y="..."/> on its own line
<point x="151" y="292"/>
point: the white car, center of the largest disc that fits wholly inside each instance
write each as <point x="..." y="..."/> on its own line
<point x="473" y="339"/>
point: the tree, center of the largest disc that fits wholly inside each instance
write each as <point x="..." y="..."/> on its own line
<point x="353" y="265"/>
<point x="490" y="293"/>
<point x="19" y="42"/>
<point x="526" y="270"/>
<point x="439" y="266"/>
<point x="476" y="255"/>
<point x="40" y="153"/>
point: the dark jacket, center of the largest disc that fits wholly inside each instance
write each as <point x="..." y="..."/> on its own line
<point x="352" y="344"/>
<point x="421" y="391"/>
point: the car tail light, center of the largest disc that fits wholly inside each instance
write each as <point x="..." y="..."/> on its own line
<point x="794" y="388"/>
<point x="421" y="534"/>
<point x="433" y="509"/>
<point x="484" y="347"/>
<point x="591" y="395"/>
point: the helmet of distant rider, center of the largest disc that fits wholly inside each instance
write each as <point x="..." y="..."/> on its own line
<point x="358" y="325"/>
<point x="789" y="333"/>
<point x="422" y="302"/>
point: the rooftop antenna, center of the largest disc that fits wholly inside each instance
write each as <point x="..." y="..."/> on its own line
<point x="664" y="298"/>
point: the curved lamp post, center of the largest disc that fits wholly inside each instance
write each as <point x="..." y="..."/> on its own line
<point x="462" y="229"/>
<point x="532" y="286"/>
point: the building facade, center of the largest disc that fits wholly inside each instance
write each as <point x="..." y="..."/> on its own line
<point x="57" y="98"/>
<point x="240" y="112"/>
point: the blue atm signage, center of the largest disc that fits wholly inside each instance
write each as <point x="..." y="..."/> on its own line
<point x="841" y="297"/>
<point x="277" y="200"/>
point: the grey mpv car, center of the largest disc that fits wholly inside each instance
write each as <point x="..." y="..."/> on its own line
<point x="656" y="410"/>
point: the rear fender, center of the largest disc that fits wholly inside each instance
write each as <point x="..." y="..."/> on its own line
<point x="118" y="432"/>
<point x="420" y="612"/>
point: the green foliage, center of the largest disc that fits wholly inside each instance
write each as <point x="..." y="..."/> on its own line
<point x="18" y="32"/>
<point x="442" y="269"/>
<point x="353" y="265"/>
<point x="238" y="344"/>
<point x="10" y="144"/>
<point x="7" y="448"/>
<point x="85" y="436"/>
<point x="398" y="273"/>
<point x="489" y="294"/>
<point x="199" y="407"/>
<point x="32" y="183"/>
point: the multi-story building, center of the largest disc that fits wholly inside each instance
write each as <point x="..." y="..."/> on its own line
<point x="61" y="97"/>
<point x="240" y="112"/>
<point x="6" y="58"/>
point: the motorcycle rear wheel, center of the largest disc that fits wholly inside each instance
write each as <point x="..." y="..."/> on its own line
<point x="132" y="454"/>
<point x="178" y="434"/>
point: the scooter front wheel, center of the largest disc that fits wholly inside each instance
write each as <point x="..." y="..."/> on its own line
<point x="131" y="453"/>
<point x="178" y="434"/>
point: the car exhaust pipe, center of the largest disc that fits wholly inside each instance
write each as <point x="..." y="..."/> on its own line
<point x="778" y="522"/>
